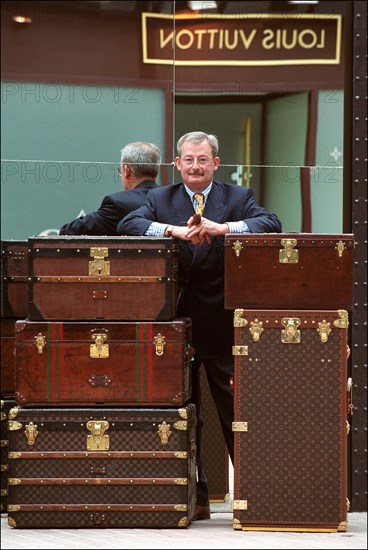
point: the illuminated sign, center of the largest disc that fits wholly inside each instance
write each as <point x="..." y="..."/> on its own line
<point x="226" y="40"/>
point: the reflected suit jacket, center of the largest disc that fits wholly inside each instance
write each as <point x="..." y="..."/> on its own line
<point x="201" y="268"/>
<point x="113" y="208"/>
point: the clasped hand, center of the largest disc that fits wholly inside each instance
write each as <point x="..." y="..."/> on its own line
<point x="200" y="232"/>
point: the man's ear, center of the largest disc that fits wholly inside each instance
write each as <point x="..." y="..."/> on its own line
<point x="216" y="163"/>
<point x="178" y="163"/>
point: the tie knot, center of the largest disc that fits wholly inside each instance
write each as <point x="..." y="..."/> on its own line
<point x="199" y="197"/>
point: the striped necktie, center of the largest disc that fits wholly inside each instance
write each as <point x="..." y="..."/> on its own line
<point x="199" y="197"/>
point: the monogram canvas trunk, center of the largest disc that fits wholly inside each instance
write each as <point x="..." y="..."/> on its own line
<point x="125" y="468"/>
<point x="289" y="270"/>
<point x="14" y="279"/>
<point x="102" y="278"/>
<point x="290" y="426"/>
<point x="6" y="405"/>
<point x="103" y="363"/>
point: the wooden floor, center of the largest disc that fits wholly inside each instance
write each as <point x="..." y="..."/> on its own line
<point x="214" y="533"/>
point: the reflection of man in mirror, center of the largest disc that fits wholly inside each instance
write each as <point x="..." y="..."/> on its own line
<point x="138" y="168"/>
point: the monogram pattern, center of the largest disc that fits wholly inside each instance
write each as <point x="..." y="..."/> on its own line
<point x="291" y="464"/>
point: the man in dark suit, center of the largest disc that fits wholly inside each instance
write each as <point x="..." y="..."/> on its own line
<point x="138" y="168"/>
<point x="170" y="211"/>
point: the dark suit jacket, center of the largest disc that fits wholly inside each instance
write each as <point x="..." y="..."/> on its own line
<point x="201" y="268"/>
<point x="113" y="208"/>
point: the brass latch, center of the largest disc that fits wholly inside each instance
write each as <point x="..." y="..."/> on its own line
<point x="343" y="322"/>
<point x="181" y="425"/>
<point x="14" y="481"/>
<point x="238" y="318"/>
<point x="239" y="505"/>
<point x="159" y="341"/>
<point x="290" y="334"/>
<point x="40" y="342"/>
<point x="239" y="426"/>
<point x="237" y="246"/>
<point x="288" y="255"/>
<point x="324" y="330"/>
<point x="240" y="350"/>
<point x="99" y="350"/>
<point x="98" y="441"/>
<point x="14" y="425"/>
<point x="340" y="247"/>
<point x="31" y="433"/>
<point x="164" y="432"/>
<point x="256" y="330"/>
<point x="98" y="266"/>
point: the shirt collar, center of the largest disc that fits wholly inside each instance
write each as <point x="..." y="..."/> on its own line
<point x="205" y="191"/>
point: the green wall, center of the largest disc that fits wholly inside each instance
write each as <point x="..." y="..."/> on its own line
<point x="286" y="129"/>
<point x="285" y="151"/>
<point x="60" y="149"/>
<point x="61" y="145"/>
<point x="327" y="178"/>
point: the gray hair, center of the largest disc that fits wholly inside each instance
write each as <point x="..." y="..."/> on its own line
<point x="198" y="137"/>
<point x="143" y="157"/>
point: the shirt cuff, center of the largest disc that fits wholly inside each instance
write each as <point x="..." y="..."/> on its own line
<point x="156" y="229"/>
<point x="238" y="227"/>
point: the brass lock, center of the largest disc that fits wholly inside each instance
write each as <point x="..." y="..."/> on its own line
<point x="98" y="440"/>
<point x="288" y="255"/>
<point x="290" y="334"/>
<point x="99" y="266"/>
<point x="99" y="350"/>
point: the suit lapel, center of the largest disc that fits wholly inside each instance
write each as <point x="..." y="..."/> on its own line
<point x="182" y="207"/>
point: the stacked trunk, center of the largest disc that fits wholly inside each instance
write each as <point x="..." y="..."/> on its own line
<point x="14" y="292"/>
<point x="101" y="433"/>
<point x="291" y="294"/>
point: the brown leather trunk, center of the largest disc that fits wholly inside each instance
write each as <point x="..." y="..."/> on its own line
<point x="14" y="279"/>
<point x="103" y="363"/>
<point x="7" y="350"/>
<point x="290" y="427"/>
<point x="289" y="270"/>
<point x="91" y="278"/>
<point x="6" y="405"/>
<point x="99" y="467"/>
<point x="215" y="455"/>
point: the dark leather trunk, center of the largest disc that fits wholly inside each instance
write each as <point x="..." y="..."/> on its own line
<point x="102" y="278"/>
<point x="14" y="279"/>
<point x="7" y="357"/>
<point x="289" y="270"/>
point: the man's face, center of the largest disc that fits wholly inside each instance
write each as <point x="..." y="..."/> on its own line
<point x="197" y="165"/>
